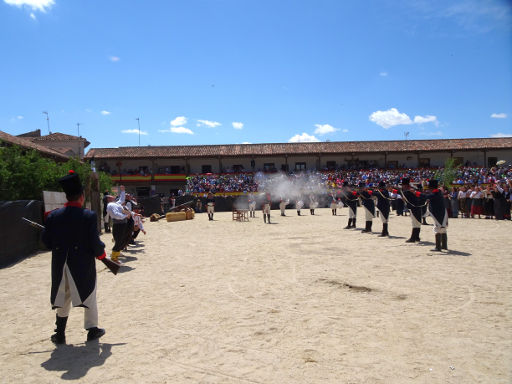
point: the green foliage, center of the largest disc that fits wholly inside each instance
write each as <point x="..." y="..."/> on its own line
<point x="24" y="174"/>
<point x="447" y="175"/>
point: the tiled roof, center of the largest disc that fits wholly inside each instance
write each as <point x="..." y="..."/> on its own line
<point x="60" y="137"/>
<point x="280" y="149"/>
<point x="26" y="143"/>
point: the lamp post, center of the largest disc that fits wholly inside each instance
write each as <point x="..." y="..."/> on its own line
<point x="138" y="123"/>
<point x="47" y="121"/>
<point x="78" y="127"/>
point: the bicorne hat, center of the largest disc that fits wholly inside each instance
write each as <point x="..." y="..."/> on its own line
<point x="71" y="184"/>
<point x="433" y="184"/>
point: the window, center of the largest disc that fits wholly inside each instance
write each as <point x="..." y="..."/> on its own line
<point x="206" y="168"/>
<point x="238" y="168"/>
<point x="331" y="165"/>
<point x="424" y="162"/>
<point x="175" y="169"/>
<point x="300" y="166"/>
<point x="393" y="164"/>
<point x="491" y="161"/>
<point x="284" y="167"/>
<point x="269" y="167"/>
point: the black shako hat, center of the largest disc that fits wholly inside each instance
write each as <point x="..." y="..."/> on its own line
<point x="382" y="184"/>
<point x="405" y="181"/>
<point x="433" y="184"/>
<point x="71" y="184"/>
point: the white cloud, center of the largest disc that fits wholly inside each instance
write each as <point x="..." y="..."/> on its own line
<point x="304" y="138"/>
<point x="114" y="59"/>
<point x="134" y="131"/>
<point x="19" y="117"/>
<point x="179" y="121"/>
<point x="390" y="118"/>
<point x="383" y="74"/>
<point x="35" y="5"/>
<point x="237" y="125"/>
<point x="246" y="142"/>
<point x="499" y="115"/>
<point x="322" y="129"/>
<point x="501" y="134"/>
<point x="208" y="123"/>
<point x="344" y="130"/>
<point x="105" y="113"/>
<point x="181" y="130"/>
<point x="425" y="119"/>
<point x="32" y="16"/>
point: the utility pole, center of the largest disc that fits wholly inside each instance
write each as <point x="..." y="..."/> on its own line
<point x="138" y="123"/>
<point x="47" y="121"/>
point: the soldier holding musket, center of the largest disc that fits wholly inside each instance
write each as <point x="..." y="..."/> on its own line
<point x="366" y="195"/>
<point x="411" y="198"/>
<point x="351" y="198"/>
<point x="383" y="205"/>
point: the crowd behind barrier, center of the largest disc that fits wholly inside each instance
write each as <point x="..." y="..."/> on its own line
<point x="252" y="182"/>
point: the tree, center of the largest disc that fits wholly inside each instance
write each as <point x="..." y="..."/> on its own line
<point x="447" y="175"/>
<point x="24" y="173"/>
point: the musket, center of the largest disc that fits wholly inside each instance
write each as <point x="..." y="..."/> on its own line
<point x="181" y="205"/>
<point x="111" y="265"/>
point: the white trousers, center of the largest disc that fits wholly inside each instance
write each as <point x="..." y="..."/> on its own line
<point x="90" y="312"/>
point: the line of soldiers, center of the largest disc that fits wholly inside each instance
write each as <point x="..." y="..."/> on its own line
<point x="419" y="203"/>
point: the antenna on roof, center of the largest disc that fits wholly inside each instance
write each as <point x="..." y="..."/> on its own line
<point x="78" y="127"/>
<point x="406" y="134"/>
<point x="48" y="121"/>
<point x="138" y="123"/>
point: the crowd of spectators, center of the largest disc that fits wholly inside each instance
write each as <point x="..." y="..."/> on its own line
<point x="252" y="182"/>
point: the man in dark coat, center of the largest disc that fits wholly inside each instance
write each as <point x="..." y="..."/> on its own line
<point x="366" y="195"/>
<point x="383" y="205"/>
<point x="412" y="201"/>
<point x="438" y="212"/>
<point x="351" y="198"/>
<point x="72" y="235"/>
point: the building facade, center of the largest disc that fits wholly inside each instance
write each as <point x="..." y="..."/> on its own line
<point x="163" y="169"/>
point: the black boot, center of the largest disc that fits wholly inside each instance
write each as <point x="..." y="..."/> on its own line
<point x="417" y="235"/>
<point x="424" y="222"/>
<point x="298" y="213"/>
<point x="95" y="333"/>
<point x="368" y="227"/>
<point x="384" y="230"/>
<point x="438" y="243"/>
<point x="349" y="225"/>
<point x="444" y="241"/>
<point x="60" y="336"/>
<point x="107" y="228"/>
<point x="265" y="218"/>
<point x="412" y="239"/>
<point x="354" y="222"/>
<point x="268" y="218"/>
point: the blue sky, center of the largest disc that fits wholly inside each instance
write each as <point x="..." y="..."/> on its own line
<point x="242" y="71"/>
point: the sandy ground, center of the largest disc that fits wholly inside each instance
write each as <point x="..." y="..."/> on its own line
<point x="297" y="301"/>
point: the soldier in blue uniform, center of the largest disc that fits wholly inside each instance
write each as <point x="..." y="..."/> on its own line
<point x="72" y="235"/>
<point x="438" y="212"/>
<point x="366" y="195"/>
<point x="413" y="202"/>
<point x="383" y="205"/>
<point x="351" y="198"/>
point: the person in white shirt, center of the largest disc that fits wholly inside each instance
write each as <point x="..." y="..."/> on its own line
<point x="119" y="216"/>
<point x="476" y="202"/>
